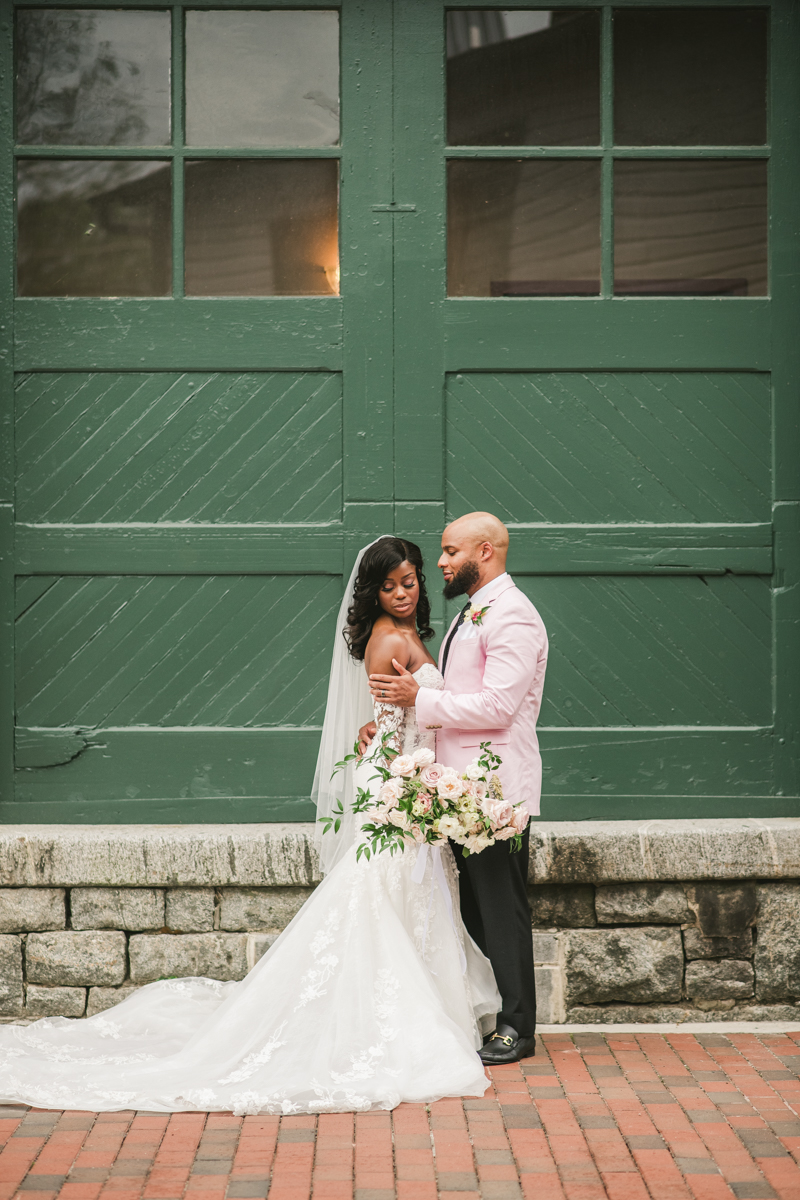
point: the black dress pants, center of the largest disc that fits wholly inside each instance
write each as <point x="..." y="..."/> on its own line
<point x="495" y="910"/>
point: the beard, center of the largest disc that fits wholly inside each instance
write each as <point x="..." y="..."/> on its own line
<point x="465" y="578"/>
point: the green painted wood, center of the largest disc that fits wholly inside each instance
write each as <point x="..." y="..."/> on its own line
<point x="597" y="447"/>
<point x="148" y="592"/>
<point x="164" y="549"/>
<point x="7" y="237"/>
<point x="176" y="650"/>
<point x="269" y="333"/>
<point x="786" y="648"/>
<point x="111" y="447"/>
<point x="626" y="333"/>
<point x="536" y="549"/>
<point x="667" y="650"/>
<point x="785" y="289"/>
<point x="607" y="764"/>
<point x="176" y="775"/>
<point x="366" y="250"/>
<point x="549" y="549"/>
<point x="420" y="248"/>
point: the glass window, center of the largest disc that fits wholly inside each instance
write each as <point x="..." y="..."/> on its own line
<point x="691" y="227"/>
<point x="262" y="227"/>
<point x="98" y="228"/>
<point x="525" y="78"/>
<point x="91" y="77"/>
<point x="262" y="78"/>
<point x="527" y="227"/>
<point x="690" y="76"/>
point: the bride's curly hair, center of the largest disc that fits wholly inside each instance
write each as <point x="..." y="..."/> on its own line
<point x="378" y="561"/>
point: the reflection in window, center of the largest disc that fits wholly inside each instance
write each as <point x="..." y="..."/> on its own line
<point x="524" y="78"/>
<point x="98" y="228"/>
<point x="691" y="227"/>
<point x="262" y="78"/>
<point x="90" y="77"/>
<point x="690" y="76"/>
<point x="262" y="227"/>
<point x="523" y="227"/>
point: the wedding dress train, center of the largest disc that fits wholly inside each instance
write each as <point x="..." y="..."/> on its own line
<point x="371" y="996"/>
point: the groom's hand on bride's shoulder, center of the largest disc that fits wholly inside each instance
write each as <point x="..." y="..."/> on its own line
<point x="400" y="689"/>
<point x="365" y="735"/>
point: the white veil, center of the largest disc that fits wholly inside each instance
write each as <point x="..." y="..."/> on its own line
<point x="349" y="707"/>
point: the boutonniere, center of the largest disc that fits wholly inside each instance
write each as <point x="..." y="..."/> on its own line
<point x="476" y="615"/>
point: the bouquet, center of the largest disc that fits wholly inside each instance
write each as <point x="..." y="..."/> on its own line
<point x="419" y="800"/>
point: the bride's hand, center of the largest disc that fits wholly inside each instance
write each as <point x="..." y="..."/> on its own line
<point x="365" y="735"/>
<point x="393" y="690"/>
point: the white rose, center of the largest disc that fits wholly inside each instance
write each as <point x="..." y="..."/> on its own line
<point x="403" y="765"/>
<point x="450" y="827"/>
<point x="399" y="818"/>
<point x="474" y="770"/>
<point x="423" y="757"/>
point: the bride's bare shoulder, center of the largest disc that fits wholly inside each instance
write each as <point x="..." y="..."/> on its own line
<point x="385" y="643"/>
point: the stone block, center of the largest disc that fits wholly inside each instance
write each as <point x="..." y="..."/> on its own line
<point x="25" y="910"/>
<point x="695" y="945"/>
<point x="546" y="947"/>
<point x="634" y="965"/>
<point x="551" y="1008"/>
<point x="173" y="955"/>
<point x="10" y="975"/>
<point x="117" y="908"/>
<point x="777" y="954"/>
<point x="726" y="979"/>
<point x="723" y="909"/>
<point x="101" y="998"/>
<point x="683" y="1015"/>
<point x="54" y="1001"/>
<point x="75" y="959"/>
<point x="566" y="907"/>
<point x="257" y="946"/>
<point x="260" y="908"/>
<point x="642" y="904"/>
<point x="190" y="910"/>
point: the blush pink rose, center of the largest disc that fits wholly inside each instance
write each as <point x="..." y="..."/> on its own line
<point x="417" y="834"/>
<point x="431" y="774"/>
<point x="425" y="802"/>
<point x="388" y="795"/>
<point x="499" y="812"/>
<point x="520" y="819"/>
<point x="450" y="787"/>
<point x="403" y="765"/>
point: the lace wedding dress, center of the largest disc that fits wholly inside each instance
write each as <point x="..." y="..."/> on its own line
<point x="371" y="996"/>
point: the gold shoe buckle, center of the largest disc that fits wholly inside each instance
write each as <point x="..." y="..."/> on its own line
<point x="506" y="1040"/>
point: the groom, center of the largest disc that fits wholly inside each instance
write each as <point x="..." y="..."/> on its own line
<point x="493" y="660"/>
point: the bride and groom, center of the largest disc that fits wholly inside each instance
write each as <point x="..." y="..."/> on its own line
<point x="401" y="975"/>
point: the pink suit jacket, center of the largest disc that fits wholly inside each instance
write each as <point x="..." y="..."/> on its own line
<point x="493" y="692"/>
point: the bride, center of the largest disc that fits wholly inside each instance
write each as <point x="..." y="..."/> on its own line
<point x="373" y="994"/>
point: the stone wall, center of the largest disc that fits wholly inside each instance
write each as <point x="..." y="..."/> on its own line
<point x="632" y="921"/>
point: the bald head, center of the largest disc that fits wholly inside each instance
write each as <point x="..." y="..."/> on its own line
<point x="474" y="550"/>
<point x="479" y="527"/>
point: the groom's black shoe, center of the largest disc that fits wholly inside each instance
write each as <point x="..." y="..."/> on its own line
<point x="506" y="1046"/>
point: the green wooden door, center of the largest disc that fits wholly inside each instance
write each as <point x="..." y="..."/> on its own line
<point x="194" y="467"/>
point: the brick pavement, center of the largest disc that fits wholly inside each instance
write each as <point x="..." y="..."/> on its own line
<point x="615" y="1116"/>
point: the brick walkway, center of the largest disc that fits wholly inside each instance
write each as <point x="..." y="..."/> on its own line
<point x="618" y="1116"/>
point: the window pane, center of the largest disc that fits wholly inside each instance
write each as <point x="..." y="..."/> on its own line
<point x="691" y="227"/>
<point x="525" y="78"/>
<point x="87" y="77"/>
<point x="95" y="228"/>
<point x="268" y="78"/>
<point x="262" y="227"/>
<point x="690" y="76"/>
<point x="523" y="228"/>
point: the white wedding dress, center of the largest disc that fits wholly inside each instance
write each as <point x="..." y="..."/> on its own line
<point x="371" y="996"/>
